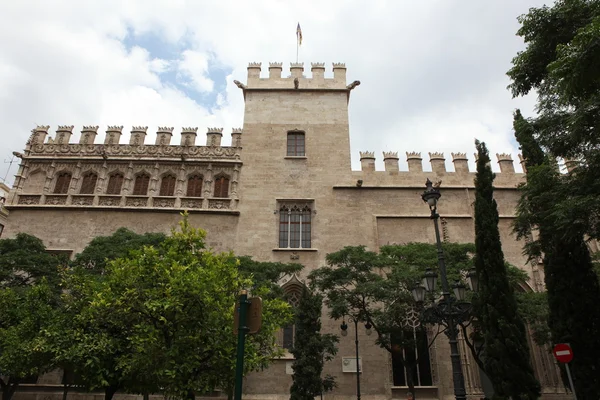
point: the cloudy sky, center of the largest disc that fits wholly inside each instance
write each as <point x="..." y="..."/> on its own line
<point x="432" y="71"/>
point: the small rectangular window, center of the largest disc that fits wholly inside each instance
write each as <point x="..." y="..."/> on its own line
<point x="295" y="144"/>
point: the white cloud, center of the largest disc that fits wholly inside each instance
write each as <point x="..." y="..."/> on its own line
<point x="432" y="73"/>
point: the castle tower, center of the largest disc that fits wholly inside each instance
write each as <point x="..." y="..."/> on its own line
<point x="296" y="147"/>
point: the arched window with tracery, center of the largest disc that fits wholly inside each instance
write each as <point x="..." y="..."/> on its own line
<point x="294" y="226"/>
<point x="167" y="185"/>
<point x="292" y="294"/>
<point x="62" y="183"/>
<point x="140" y="187"/>
<point x="221" y="186"/>
<point x="194" y="186"/>
<point x="115" y="183"/>
<point x="88" y="184"/>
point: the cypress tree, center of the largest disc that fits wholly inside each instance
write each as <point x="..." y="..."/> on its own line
<point x="507" y="360"/>
<point x="311" y="350"/>
<point x="573" y="288"/>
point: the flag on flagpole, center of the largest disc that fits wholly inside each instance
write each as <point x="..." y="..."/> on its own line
<point x="299" y="34"/>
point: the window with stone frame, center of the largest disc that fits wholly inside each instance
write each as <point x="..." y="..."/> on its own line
<point x="194" y="186"/>
<point x="292" y="294"/>
<point x="115" y="183"/>
<point x="88" y="183"/>
<point x="140" y="187"/>
<point x="295" y="144"/>
<point x="295" y="226"/>
<point x="221" y="186"/>
<point x="167" y="185"/>
<point x="63" y="181"/>
<point x="410" y="349"/>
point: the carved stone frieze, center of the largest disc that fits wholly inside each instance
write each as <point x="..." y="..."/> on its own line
<point x="56" y="200"/>
<point x="140" y="201"/>
<point x="29" y="199"/>
<point x="83" y="200"/>
<point x="164" y="203"/>
<point x="191" y="203"/>
<point x="111" y="201"/>
<point x="219" y="204"/>
<point x="135" y="150"/>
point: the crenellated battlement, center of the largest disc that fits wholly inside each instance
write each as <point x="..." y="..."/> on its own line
<point x="40" y="144"/>
<point x="460" y="176"/>
<point x="296" y="79"/>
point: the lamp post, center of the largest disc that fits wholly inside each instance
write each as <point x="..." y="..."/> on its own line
<point x="450" y="310"/>
<point x="344" y="328"/>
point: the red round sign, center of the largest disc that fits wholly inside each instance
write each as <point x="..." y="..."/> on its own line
<point x="563" y="353"/>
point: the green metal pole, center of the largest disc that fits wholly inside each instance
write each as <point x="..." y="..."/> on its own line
<point x="242" y="329"/>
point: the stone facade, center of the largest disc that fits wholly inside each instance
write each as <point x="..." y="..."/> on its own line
<point x="4" y="190"/>
<point x="290" y="160"/>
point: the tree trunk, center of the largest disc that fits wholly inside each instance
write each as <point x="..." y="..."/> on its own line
<point x="191" y="395"/>
<point x="109" y="392"/>
<point x="146" y="396"/>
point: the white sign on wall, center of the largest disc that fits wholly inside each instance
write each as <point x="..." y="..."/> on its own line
<point x="349" y="364"/>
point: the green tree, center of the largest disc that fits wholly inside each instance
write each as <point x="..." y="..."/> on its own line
<point x="311" y="350"/>
<point x="29" y="296"/>
<point x="161" y="318"/>
<point x="572" y="285"/>
<point x="507" y="360"/>
<point x="26" y="312"/>
<point x="376" y="289"/>
<point x="24" y="260"/>
<point x="560" y="62"/>
<point x="118" y="245"/>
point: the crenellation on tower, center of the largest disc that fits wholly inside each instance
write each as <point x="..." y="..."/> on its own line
<point x="318" y="71"/>
<point x="296" y="79"/>
<point x="188" y="136"/>
<point x="390" y="160"/>
<point x="296" y="69"/>
<point x="138" y="135"/>
<point x="236" y="137"/>
<point x="505" y="162"/>
<point x="88" y="134"/>
<point x="63" y="134"/>
<point x="367" y="160"/>
<point x="113" y="134"/>
<point x="414" y="160"/>
<point x="213" y="136"/>
<point x="164" y="135"/>
<point x="275" y="69"/>
<point x="461" y="163"/>
<point x="438" y="162"/>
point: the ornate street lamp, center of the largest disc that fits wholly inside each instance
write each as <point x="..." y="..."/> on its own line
<point x="449" y="311"/>
<point x="369" y="331"/>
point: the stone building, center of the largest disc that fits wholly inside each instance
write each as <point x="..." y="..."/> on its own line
<point x="4" y="190"/>
<point x="283" y="190"/>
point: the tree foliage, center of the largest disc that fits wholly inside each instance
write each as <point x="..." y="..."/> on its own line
<point x="572" y="285"/>
<point x="29" y="299"/>
<point x="507" y="359"/>
<point x="160" y="318"/>
<point x="118" y="245"/>
<point x="311" y="350"/>
<point x="561" y="63"/>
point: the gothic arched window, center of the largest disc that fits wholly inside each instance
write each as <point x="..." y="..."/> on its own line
<point x="62" y="183"/>
<point x="194" y="186"/>
<point x="140" y="188"/>
<point x="293" y="293"/>
<point x="221" y="187"/>
<point x="89" y="183"/>
<point x="115" y="182"/>
<point x="167" y="185"/>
